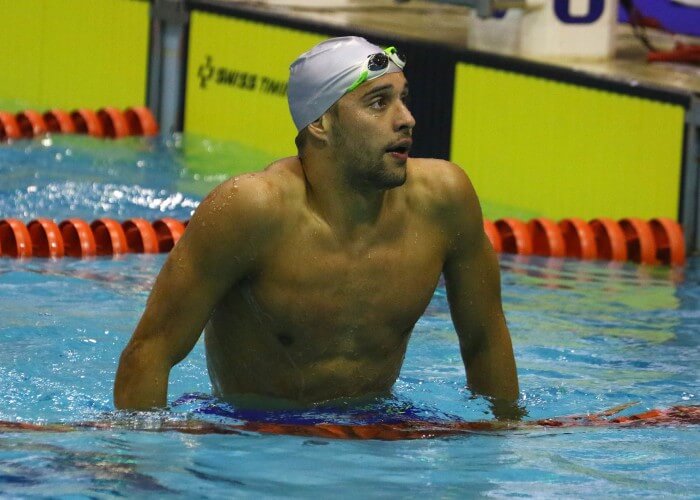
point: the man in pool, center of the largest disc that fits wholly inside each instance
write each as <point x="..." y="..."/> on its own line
<point x="308" y="277"/>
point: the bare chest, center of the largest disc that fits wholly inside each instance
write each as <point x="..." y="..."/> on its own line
<point x="315" y="283"/>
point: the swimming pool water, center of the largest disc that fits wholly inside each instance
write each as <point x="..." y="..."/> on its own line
<point x="587" y="336"/>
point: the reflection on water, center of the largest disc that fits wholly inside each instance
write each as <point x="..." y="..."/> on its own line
<point x="617" y="299"/>
<point x="78" y="176"/>
<point x="69" y="471"/>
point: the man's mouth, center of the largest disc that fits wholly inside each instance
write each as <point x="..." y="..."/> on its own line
<point x="400" y="149"/>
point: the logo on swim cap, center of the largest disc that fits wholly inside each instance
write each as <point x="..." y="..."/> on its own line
<point x="322" y="75"/>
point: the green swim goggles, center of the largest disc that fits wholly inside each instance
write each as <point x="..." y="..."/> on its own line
<point x="377" y="64"/>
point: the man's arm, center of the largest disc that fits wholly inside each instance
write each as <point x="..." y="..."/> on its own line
<point x="215" y="252"/>
<point x="473" y="285"/>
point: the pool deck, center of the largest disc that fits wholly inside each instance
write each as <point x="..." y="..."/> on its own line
<point x="448" y="25"/>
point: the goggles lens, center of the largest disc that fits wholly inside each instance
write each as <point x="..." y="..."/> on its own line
<point x="378" y="64"/>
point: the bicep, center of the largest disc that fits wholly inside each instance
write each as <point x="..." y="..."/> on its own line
<point x="472" y="278"/>
<point x="180" y="303"/>
<point x="209" y="259"/>
<point x="471" y="270"/>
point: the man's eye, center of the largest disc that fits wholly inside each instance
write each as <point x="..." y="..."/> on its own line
<point x="378" y="103"/>
<point x="406" y="99"/>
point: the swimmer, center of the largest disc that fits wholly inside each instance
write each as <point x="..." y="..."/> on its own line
<point x="307" y="278"/>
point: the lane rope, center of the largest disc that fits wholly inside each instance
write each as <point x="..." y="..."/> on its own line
<point x="675" y="416"/>
<point x="74" y="237"/>
<point x="653" y="242"/>
<point x="106" y="122"/>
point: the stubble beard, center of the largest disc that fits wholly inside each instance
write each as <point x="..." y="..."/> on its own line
<point x="368" y="168"/>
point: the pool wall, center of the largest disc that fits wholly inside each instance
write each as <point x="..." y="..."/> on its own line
<point x="73" y="54"/>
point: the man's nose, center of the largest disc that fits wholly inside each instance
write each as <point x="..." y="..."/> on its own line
<point x="404" y="118"/>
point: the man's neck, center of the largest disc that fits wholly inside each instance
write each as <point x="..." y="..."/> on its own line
<point x="348" y="209"/>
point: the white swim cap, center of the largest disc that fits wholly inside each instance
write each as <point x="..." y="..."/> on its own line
<point x="322" y="75"/>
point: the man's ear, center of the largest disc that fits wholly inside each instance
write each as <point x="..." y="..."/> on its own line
<point x="320" y="128"/>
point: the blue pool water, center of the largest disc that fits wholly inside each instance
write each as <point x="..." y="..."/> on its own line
<point x="587" y="336"/>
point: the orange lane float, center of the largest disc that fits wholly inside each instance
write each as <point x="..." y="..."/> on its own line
<point x="658" y="241"/>
<point x="610" y="239"/>
<point x="547" y="238"/>
<point x="113" y="122"/>
<point x="168" y="232"/>
<point x="78" y="239"/>
<point x="86" y="122"/>
<point x="42" y="237"/>
<point x="9" y="129"/>
<point x="639" y="239"/>
<point x="31" y="124"/>
<point x="106" y="122"/>
<point x="675" y="416"/>
<point x="46" y="238"/>
<point x="668" y="237"/>
<point x="579" y="239"/>
<point x="515" y="236"/>
<point x="493" y="235"/>
<point x="109" y="237"/>
<point x="15" y="240"/>
<point x="140" y="236"/>
<point x="141" y="121"/>
<point x="59" y="122"/>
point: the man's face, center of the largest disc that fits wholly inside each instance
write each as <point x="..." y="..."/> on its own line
<point x="371" y="132"/>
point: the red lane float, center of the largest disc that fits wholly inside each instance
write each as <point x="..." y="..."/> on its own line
<point x="106" y="122"/>
<point x="579" y="239"/>
<point x="9" y="129"/>
<point x="113" y="122"/>
<point x="639" y="240"/>
<point x="610" y="239"/>
<point x="86" y="122"/>
<point x="59" y="121"/>
<point x="493" y="235"/>
<point x="46" y="238"/>
<point x="669" y="240"/>
<point x="675" y="416"/>
<point x="168" y="232"/>
<point x="657" y="241"/>
<point x="15" y="240"/>
<point x="31" y="124"/>
<point x="78" y="239"/>
<point x="547" y="238"/>
<point x="140" y="236"/>
<point x="515" y="236"/>
<point x="109" y="237"/>
<point x="141" y="121"/>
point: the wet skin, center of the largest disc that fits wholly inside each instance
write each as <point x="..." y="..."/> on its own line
<point x="308" y="277"/>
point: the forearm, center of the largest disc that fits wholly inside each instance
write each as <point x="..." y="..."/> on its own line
<point x="142" y="381"/>
<point x="491" y="372"/>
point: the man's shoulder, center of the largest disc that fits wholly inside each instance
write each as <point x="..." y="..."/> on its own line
<point x="263" y="190"/>
<point x="255" y="199"/>
<point x="440" y="183"/>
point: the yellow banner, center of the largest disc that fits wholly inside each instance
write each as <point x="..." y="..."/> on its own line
<point x="535" y="147"/>
<point x="73" y="53"/>
<point x="237" y="85"/>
